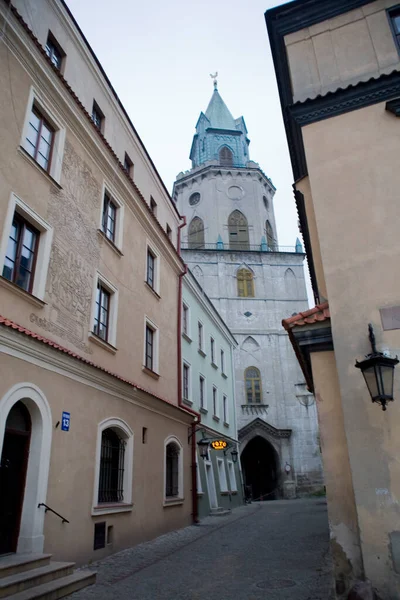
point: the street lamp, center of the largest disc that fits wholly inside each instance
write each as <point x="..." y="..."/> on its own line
<point x="378" y="371"/>
<point x="203" y="445"/>
<point x="234" y="455"/>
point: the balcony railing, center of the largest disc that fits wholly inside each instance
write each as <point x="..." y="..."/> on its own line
<point x="241" y="247"/>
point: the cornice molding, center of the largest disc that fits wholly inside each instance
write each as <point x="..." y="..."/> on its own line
<point x="266" y="428"/>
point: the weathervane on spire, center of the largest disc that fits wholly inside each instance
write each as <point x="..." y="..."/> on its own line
<point x="214" y="78"/>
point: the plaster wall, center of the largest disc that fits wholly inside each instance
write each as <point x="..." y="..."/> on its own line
<point x="83" y="75"/>
<point x="73" y="209"/>
<point x="344" y="50"/>
<point x="71" y="483"/>
<point x="352" y="164"/>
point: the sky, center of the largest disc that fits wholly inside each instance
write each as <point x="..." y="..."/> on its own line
<point x="159" y="56"/>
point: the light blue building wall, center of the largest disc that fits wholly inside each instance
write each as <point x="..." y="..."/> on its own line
<point x="208" y="387"/>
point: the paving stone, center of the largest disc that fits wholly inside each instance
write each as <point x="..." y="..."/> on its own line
<point x="277" y="550"/>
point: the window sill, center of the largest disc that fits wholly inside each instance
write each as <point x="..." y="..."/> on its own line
<point x="203" y="411"/>
<point x="234" y="492"/>
<point x="150" y="373"/>
<point x="201" y="352"/>
<point x="216" y="418"/>
<point x="200" y="494"/>
<point x="35" y="164"/>
<point x="187" y="401"/>
<point x="13" y="287"/>
<point x="224" y="493"/>
<point x="187" y="338"/>
<point x="103" y="236"/>
<point x="226" y="424"/>
<point x="224" y="375"/>
<point x="173" y="502"/>
<point x="152" y="290"/>
<point x="106" y="509"/>
<point x="214" y="365"/>
<point x="102" y="343"/>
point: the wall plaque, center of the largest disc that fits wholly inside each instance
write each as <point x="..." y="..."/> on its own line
<point x="390" y="317"/>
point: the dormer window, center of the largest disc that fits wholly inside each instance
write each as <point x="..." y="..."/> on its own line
<point x="225" y="157"/>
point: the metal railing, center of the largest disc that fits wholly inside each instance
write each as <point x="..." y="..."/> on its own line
<point x="240" y="247"/>
<point x="53" y="511"/>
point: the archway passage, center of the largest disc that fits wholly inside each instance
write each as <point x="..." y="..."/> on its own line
<point x="260" y="469"/>
<point x="13" y="465"/>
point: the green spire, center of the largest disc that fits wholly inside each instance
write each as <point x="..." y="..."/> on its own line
<point x="218" y="113"/>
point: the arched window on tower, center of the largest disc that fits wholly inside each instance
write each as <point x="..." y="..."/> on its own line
<point x="252" y="378"/>
<point x="225" y="157"/>
<point x="245" y="283"/>
<point x="271" y="242"/>
<point x="238" y="231"/>
<point x="196" y="233"/>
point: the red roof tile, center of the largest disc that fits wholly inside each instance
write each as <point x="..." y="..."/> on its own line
<point x="8" y="323"/>
<point x="308" y="317"/>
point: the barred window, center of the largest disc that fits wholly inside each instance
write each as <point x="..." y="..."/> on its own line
<point x="172" y="470"/>
<point x="111" y="475"/>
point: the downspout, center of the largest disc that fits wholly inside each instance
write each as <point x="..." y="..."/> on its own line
<point x="195" y="511"/>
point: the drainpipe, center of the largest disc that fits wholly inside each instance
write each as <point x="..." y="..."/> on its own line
<point x="197" y="415"/>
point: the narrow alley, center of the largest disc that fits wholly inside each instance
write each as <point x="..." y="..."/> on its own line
<point x="276" y="550"/>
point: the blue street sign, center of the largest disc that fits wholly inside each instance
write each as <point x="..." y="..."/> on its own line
<point x="66" y="417"/>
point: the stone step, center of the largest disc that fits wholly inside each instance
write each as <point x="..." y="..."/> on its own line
<point x="220" y="512"/>
<point x="34" y="577"/>
<point x="58" y="588"/>
<point x="11" y="564"/>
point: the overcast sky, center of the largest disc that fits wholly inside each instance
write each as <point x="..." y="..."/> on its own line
<point x="159" y="56"/>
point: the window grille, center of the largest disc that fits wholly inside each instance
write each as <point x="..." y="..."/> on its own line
<point x="111" y="477"/>
<point x="172" y="470"/>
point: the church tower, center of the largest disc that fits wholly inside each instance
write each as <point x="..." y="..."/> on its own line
<point x="231" y="246"/>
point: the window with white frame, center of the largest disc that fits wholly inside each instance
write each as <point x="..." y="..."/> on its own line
<point x="232" y="476"/>
<point x="151" y="346"/>
<point x="185" y="319"/>
<point x="186" y="381"/>
<point x="225" y="408"/>
<point x="152" y="274"/>
<point x="25" y="248"/>
<point x="202" y="391"/>
<point x="215" y="401"/>
<point x="105" y="310"/>
<point x="43" y="135"/>
<point x="114" y="466"/>
<point x="223" y="484"/>
<point x="222" y="361"/>
<point x="200" y="335"/>
<point x="173" y="469"/>
<point x="112" y="218"/>
<point x="212" y="345"/>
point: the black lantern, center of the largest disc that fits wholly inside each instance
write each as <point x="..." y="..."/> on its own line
<point x="234" y="455"/>
<point x="203" y="445"/>
<point x="378" y="371"/>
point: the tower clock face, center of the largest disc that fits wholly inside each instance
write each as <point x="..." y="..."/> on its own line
<point x="194" y="199"/>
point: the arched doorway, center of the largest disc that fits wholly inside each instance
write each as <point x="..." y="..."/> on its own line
<point x="13" y="466"/>
<point x="260" y="465"/>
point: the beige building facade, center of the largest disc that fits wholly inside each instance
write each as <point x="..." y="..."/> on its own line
<point x="337" y="66"/>
<point x="91" y="424"/>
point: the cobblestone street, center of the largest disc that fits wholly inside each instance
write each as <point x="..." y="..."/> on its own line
<point x="276" y="550"/>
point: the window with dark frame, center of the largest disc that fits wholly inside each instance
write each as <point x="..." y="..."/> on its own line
<point x="149" y="354"/>
<point x="212" y="350"/>
<point x="40" y="139"/>
<point x="200" y="334"/>
<point x="222" y="361"/>
<point x="201" y="382"/>
<point x="172" y="470"/>
<point x="153" y="205"/>
<point x="225" y="407"/>
<point x="21" y="254"/>
<point x="111" y="472"/>
<point x="169" y="232"/>
<point x="128" y="165"/>
<point x="151" y="269"/>
<point x="102" y="312"/>
<point x="185" y="319"/>
<point x="394" y="18"/>
<point x="109" y="220"/>
<point x="186" y="382"/>
<point x="215" y="402"/>
<point x="97" y="116"/>
<point x="54" y="51"/>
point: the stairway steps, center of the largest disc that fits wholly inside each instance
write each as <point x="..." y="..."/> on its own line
<point x="58" y="588"/>
<point x="34" y="577"/>
<point x="18" y="563"/>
